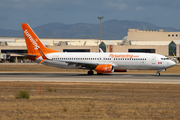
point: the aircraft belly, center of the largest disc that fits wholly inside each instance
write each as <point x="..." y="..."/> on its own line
<point x="139" y="66"/>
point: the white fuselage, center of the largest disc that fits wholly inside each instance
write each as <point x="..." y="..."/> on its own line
<point x="134" y="61"/>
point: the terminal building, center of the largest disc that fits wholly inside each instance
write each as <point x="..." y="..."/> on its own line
<point x="147" y="41"/>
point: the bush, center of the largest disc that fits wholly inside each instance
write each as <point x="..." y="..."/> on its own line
<point x="22" y="94"/>
<point x="49" y="89"/>
<point x="65" y="109"/>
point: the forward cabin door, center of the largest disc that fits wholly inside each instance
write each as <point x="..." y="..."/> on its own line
<point x="153" y="59"/>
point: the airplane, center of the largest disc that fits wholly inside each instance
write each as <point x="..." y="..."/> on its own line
<point x="101" y="62"/>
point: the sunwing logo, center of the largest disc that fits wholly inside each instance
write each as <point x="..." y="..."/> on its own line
<point x="36" y="46"/>
<point x="106" y="68"/>
<point x="122" y="56"/>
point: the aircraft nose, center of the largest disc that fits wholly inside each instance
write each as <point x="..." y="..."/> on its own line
<point x="171" y="63"/>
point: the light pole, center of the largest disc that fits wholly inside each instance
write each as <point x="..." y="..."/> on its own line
<point x="97" y="45"/>
<point x="100" y="27"/>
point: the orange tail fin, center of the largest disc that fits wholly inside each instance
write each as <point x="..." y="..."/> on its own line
<point x="33" y="42"/>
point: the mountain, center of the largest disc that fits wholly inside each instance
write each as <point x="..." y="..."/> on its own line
<point x="110" y="30"/>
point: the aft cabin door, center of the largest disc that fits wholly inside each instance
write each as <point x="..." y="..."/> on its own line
<point x="153" y="59"/>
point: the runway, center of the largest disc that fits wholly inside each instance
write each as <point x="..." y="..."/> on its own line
<point x="83" y="77"/>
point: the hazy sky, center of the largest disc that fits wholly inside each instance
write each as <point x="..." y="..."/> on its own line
<point x="164" y="13"/>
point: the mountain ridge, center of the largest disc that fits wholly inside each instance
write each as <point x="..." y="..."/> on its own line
<point x="110" y="30"/>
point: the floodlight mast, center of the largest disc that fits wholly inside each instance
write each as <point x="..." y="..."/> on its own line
<point x="100" y="27"/>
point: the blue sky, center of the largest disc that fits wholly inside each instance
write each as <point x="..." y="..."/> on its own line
<point x="164" y="13"/>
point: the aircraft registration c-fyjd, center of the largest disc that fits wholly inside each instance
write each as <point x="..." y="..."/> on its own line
<point x="100" y="62"/>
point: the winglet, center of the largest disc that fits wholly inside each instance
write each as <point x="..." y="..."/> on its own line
<point x="43" y="55"/>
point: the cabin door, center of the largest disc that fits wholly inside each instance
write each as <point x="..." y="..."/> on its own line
<point x="153" y="59"/>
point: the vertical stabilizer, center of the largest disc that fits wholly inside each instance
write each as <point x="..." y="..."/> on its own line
<point x="33" y="42"/>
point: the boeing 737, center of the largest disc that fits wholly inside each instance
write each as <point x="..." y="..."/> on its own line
<point x="100" y="62"/>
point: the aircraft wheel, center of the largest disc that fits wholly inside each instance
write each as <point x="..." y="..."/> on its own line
<point x="90" y="72"/>
<point x="158" y="74"/>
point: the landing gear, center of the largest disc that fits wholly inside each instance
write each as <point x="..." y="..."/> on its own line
<point x="158" y="74"/>
<point x="90" y="72"/>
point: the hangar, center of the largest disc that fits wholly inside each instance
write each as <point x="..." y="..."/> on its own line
<point x="149" y="41"/>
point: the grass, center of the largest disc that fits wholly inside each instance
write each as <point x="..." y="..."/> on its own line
<point x="65" y="109"/>
<point x="112" y="101"/>
<point x="22" y="94"/>
<point x="49" y="89"/>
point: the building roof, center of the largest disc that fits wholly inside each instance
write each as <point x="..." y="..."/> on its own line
<point x="7" y="39"/>
<point x="150" y="42"/>
<point x="177" y="42"/>
<point x="16" y="44"/>
<point x="111" y="42"/>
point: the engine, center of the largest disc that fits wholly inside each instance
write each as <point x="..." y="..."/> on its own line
<point x="106" y="68"/>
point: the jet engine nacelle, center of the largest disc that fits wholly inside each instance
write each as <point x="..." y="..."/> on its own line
<point x="106" y="68"/>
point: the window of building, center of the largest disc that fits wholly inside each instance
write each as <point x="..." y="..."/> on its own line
<point x="169" y="35"/>
<point x="142" y="50"/>
<point x="76" y="50"/>
<point x="103" y="46"/>
<point x="172" y="49"/>
<point x="172" y="35"/>
<point x="14" y="51"/>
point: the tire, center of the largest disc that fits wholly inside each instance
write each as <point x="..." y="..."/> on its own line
<point x="90" y="72"/>
<point x="158" y="74"/>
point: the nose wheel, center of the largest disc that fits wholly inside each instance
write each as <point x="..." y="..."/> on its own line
<point x="158" y="74"/>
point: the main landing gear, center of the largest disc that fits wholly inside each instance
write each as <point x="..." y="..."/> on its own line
<point x="90" y="72"/>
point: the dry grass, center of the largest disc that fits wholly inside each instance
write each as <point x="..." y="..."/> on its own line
<point x="90" y="101"/>
<point x="34" y="68"/>
<point x="43" y="68"/>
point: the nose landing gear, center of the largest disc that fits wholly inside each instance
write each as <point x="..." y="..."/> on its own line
<point x="158" y="74"/>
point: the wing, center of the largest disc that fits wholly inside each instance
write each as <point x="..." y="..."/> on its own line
<point x="83" y="65"/>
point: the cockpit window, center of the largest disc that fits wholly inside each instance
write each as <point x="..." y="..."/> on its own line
<point x="164" y="58"/>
